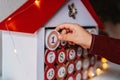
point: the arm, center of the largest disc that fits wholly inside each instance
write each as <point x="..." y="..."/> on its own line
<point x="74" y="33"/>
<point x="106" y="47"/>
<point x="97" y="44"/>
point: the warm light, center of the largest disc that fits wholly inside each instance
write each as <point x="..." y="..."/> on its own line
<point x="91" y="72"/>
<point x="103" y="60"/>
<point x="105" y="66"/>
<point x="9" y="19"/>
<point x="15" y="51"/>
<point x="99" y="71"/>
<point x="37" y="3"/>
<point x="12" y="26"/>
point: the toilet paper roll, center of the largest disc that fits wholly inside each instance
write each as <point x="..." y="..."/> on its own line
<point x="93" y="60"/>
<point x="78" y="65"/>
<point x="86" y="63"/>
<point x="61" y="57"/>
<point x="78" y="76"/>
<point x="70" y="67"/>
<point x="52" y="41"/>
<point x="61" y="72"/>
<point x="85" y="74"/>
<point x="70" y="77"/>
<point x="63" y="44"/>
<point x="71" y="54"/>
<point x="79" y="52"/>
<point x="85" y="52"/>
<point x="50" y="57"/>
<point x="50" y="73"/>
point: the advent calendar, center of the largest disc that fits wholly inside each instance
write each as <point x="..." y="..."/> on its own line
<point x="63" y="61"/>
<point x="58" y="60"/>
<point x="42" y="56"/>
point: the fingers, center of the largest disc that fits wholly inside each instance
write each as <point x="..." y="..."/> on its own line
<point x="74" y="33"/>
<point x="71" y="43"/>
<point x="65" y="37"/>
<point x="63" y="31"/>
<point x="67" y="26"/>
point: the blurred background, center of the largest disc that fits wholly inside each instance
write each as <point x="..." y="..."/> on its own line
<point x="109" y="13"/>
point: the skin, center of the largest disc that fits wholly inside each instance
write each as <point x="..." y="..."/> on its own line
<point x="74" y="34"/>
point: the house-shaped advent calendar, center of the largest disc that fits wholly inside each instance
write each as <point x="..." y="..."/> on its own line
<point x="30" y="46"/>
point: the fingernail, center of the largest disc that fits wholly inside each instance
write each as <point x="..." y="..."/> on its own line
<point x="60" y="37"/>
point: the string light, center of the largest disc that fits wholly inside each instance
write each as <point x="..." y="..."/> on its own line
<point x="104" y="63"/>
<point x="103" y="60"/>
<point x="99" y="71"/>
<point x="15" y="51"/>
<point x="13" y="27"/>
<point x="91" y="72"/>
<point x="105" y="66"/>
<point x="37" y="3"/>
<point x="9" y="19"/>
<point x="7" y="27"/>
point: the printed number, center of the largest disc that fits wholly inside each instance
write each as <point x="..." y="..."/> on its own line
<point x="53" y="39"/>
<point x="51" y="73"/>
<point x="61" y="57"/>
<point x="51" y="57"/>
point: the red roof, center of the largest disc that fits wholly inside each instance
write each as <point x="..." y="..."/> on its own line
<point x="32" y="16"/>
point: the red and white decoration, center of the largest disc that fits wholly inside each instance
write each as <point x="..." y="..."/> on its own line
<point x="27" y="52"/>
<point x="86" y="63"/>
<point x="52" y="41"/>
<point x="79" y="52"/>
<point x="61" y="57"/>
<point x="78" y="76"/>
<point x="70" y="67"/>
<point x="70" y="77"/>
<point x="61" y="72"/>
<point x="50" y="57"/>
<point x="50" y="73"/>
<point x="71" y="54"/>
<point x="78" y="65"/>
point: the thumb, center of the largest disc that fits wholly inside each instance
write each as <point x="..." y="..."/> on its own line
<point x="65" y="37"/>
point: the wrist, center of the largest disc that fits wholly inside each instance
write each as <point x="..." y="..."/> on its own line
<point x="87" y="41"/>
